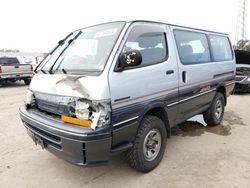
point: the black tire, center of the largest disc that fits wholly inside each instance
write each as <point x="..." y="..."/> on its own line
<point x="135" y="156"/>
<point x="212" y="117"/>
<point x="27" y="81"/>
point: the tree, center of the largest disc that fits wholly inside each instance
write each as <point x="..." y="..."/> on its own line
<point x="247" y="47"/>
<point x="241" y="44"/>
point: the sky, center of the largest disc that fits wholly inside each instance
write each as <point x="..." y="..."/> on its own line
<point x="37" y="25"/>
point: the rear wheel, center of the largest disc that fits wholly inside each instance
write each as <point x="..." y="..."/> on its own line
<point x="214" y="115"/>
<point x="149" y="145"/>
<point x="27" y="81"/>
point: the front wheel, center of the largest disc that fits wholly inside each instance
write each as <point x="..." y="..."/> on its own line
<point x="214" y="115"/>
<point x="149" y="145"/>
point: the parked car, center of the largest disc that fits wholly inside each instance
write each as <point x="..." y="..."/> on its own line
<point x="121" y="87"/>
<point x="11" y="71"/>
<point x="242" y="79"/>
<point x="28" y="60"/>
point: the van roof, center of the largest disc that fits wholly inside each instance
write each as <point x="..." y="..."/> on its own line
<point x="160" y="22"/>
<point x="186" y="27"/>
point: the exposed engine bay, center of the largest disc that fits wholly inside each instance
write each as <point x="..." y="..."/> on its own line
<point x="242" y="78"/>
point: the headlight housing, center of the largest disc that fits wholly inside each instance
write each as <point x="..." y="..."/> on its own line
<point x="98" y="112"/>
<point x="248" y="79"/>
<point x="82" y="110"/>
<point x="102" y="115"/>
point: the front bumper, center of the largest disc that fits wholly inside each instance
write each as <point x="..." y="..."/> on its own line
<point x="75" y="144"/>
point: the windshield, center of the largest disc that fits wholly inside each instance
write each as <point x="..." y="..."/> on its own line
<point x="86" y="50"/>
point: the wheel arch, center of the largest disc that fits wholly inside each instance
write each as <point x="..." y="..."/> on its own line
<point x="157" y="109"/>
<point x="222" y="89"/>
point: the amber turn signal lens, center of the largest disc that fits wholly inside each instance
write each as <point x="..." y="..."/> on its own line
<point x="76" y="121"/>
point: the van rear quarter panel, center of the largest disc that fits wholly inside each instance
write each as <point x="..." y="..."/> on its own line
<point x="202" y="77"/>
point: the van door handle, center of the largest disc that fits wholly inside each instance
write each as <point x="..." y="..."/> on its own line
<point x="169" y="72"/>
<point x="184" y="76"/>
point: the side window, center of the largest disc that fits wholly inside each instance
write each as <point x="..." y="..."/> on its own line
<point x="192" y="47"/>
<point x="150" y="41"/>
<point x="221" y="48"/>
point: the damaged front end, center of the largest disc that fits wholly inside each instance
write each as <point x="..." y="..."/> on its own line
<point x="93" y="113"/>
<point x="74" y="110"/>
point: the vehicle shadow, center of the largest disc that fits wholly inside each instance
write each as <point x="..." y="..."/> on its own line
<point x="192" y="128"/>
<point x="196" y="126"/>
<point x="13" y="84"/>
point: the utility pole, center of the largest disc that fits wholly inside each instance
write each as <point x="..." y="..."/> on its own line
<point x="241" y="25"/>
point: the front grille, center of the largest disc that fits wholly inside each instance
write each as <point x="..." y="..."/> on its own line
<point x="45" y="114"/>
<point x="239" y="78"/>
<point x="52" y="107"/>
<point x="47" y="138"/>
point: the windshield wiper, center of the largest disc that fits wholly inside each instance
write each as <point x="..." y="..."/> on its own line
<point x="64" y="71"/>
<point x="43" y="71"/>
<point x="60" y="43"/>
<point x="69" y="42"/>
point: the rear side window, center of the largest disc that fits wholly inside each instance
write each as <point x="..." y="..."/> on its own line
<point x="150" y="41"/>
<point x="192" y="47"/>
<point x="8" y="61"/>
<point x="221" y="48"/>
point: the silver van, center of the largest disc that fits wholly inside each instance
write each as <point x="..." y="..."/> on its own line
<point x="121" y="87"/>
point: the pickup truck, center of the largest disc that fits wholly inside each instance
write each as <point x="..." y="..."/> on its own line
<point x="11" y="71"/>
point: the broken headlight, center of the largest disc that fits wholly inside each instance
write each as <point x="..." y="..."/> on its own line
<point x="98" y="112"/>
<point x="82" y="110"/>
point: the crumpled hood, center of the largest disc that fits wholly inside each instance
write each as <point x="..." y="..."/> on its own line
<point x="90" y="87"/>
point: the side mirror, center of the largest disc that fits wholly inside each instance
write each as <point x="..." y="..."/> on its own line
<point x="129" y="59"/>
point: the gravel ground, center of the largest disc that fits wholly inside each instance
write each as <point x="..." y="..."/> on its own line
<point x="196" y="156"/>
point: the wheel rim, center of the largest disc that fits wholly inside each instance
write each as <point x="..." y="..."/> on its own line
<point x="218" y="109"/>
<point x="152" y="144"/>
